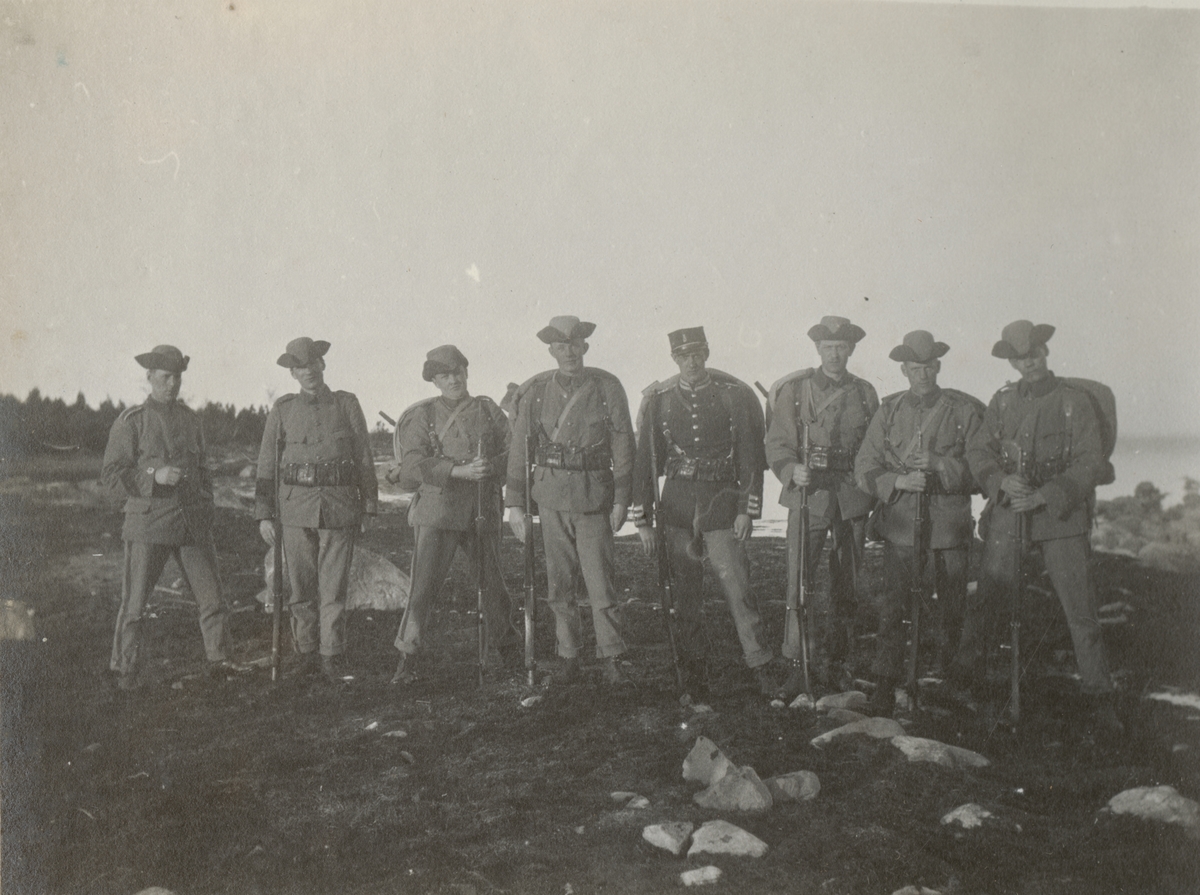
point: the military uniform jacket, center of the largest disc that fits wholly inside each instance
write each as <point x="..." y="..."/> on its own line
<point x="720" y="423"/>
<point x="597" y="419"/>
<point x="837" y="415"/>
<point x="1054" y="426"/>
<point x="317" y="429"/>
<point x="946" y="420"/>
<point x="433" y="437"/>
<point x="144" y="438"/>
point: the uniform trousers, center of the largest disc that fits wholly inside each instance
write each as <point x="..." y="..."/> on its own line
<point x="575" y="544"/>
<point x="432" y="555"/>
<point x="732" y="565"/>
<point x="947" y="570"/>
<point x="832" y="610"/>
<point x="318" y="564"/>
<point x="1066" y="561"/>
<point x="144" y="563"/>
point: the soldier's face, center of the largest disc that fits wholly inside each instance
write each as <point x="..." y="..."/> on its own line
<point x="311" y="377"/>
<point x="164" y="385"/>
<point x="691" y="365"/>
<point x="922" y="378"/>
<point x="453" y="386"/>
<point x="1032" y="366"/>
<point x="569" y="354"/>
<point x="834" y="355"/>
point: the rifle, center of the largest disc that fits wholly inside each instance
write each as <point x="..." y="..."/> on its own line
<point x="480" y="532"/>
<point x="916" y="591"/>
<point x="530" y="602"/>
<point x="277" y="572"/>
<point x="1014" y="624"/>
<point x="662" y="548"/>
<point x="798" y="606"/>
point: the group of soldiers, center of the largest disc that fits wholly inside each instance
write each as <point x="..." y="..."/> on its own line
<point x="846" y="461"/>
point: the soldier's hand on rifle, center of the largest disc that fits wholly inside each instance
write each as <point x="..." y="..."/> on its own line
<point x="516" y="522"/>
<point x="266" y="528"/>
<point x="646" y="533"/>
<point x="801" y="476"/>
<point x="1027" y="503"/>
<point x="742" y="526"/>
<point x="911" y="481"/>
<point x="618" y="516"/>
<point x="368" y="522"/>
<point x="926" y="460"/>
<point x="475" y="471"/>
<point x="1015" y="487"/>
<point x="168" y="475"/>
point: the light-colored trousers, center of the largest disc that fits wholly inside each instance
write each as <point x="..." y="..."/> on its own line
<point x="318" y="564"/>
<point x="578" y="543"/>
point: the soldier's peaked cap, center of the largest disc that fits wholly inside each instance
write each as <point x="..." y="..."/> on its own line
<point x="564" y="329"/>
<point x="302" y="351"/>
<point x="443" y="359"/>
<point x="1020" y="338"/>
<point x="918" y="347"/>
<point x="836" y="329"/>
<point x="689" y="339"/>
<point x="164" y="357"/>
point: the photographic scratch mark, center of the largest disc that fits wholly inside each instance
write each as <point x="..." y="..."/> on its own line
<point x="159" y="161"/>
<point x="82" y="86"/>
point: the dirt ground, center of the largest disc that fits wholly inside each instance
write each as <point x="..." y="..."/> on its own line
<point x="242" y="786"/>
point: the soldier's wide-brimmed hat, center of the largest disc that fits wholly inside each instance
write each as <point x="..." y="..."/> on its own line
<point x="564" y="329"/>
<point x="918" y="347"/>
<point x="686" y="341"/>
<point x="836" y="329"/>
<point x="1020" y="338"/>
<point x="164" y="357"/>
<point x="302" y="352"/>
<point x="443" y="359"/>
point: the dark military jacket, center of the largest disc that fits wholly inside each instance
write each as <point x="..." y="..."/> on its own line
<point x="318" y="431"/>
<point x="720" y="425"/>
<point x="144" y="438"/>
<point x="946" y="421"/>
<point x="432" y="437"/>
<point x="1052" y="429"/>
<point x="596" y="422"/>
<point x="837" y="415"/>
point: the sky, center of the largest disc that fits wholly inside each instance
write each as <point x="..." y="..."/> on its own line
<point x="393" y="176"/>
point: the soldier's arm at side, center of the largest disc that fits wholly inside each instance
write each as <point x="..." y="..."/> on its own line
<point x="264" y="484"/>
<point x="641" y="507"/>
<point x="120" y="471"/>
<point x="501" y="430"/>
<point x="368" y="484"/>
<point x="514" y="484"/>
<point x="870" y="468"/>
<point x="954" y="472"/>
<point x="782" y="449"/>
<point x="750" y="452"/>
<point x="1070" y="488"/>
<point x="983" y="452"/>
<point x="623" y="443"/>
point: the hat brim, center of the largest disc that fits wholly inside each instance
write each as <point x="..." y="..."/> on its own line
<point x="905" y="355"/>
<point x="552" y="334"/>
<point x="320" y="346"/>
<point x="433" y="368"/>
<point x="1039" y="335"/>
<point x="849" y="333"/>
<point x="153" y="361"/>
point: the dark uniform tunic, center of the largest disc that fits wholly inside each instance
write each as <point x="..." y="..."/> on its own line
<point x="708" y="442"/>
<point x="163" y="520"/>
<point x="327" y="483"/>
<point x="1050" y="430"/>
<point x="584" y="465"/>
<point x="942" y="422"/>
<point x="837" y="415"/>
<point x="433" y="437"/>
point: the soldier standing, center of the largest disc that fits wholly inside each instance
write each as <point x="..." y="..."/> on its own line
<point x="326" y="485"/>
<point x="1039" y="452"/>
<point x="835" y="406"/>
<point x="708" y="442"/>
<point x="916" y="444"/>
<point x="454" y="449"/>
<point x="155" y="457"/>
<point x="579" y="418"/>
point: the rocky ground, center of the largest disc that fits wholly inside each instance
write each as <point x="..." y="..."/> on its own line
<point x="241" y="786"/>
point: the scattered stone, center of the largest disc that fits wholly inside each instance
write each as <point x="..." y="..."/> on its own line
<point x="375" y="583"/>
<point x="531" y="700"/>
<point x="803" y="701"/>
<point x="845" y="716"/>
<point x="396" y="733"/>
<point x="882" y="728"/>
<point x="701" y="876"/>
<point x="621" y="796"/>
<point x="16" y="621"/>
<point x="798" y="786"/>
<point x="739" y="789"/>
<point x="720" y="837"/>
<point x="705" y="764"/>
<point x="672" y="836"/>
<point x="851" y="699"/>
<point x="637" y="803"/>
<point x="156" y="890"/>
<point x="968" y="816"/>
<point x="1161" y="803"/>
<point x="921" y="749"/>
<point x="916" y="890"/>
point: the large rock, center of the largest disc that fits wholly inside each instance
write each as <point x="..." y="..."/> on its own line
<point x="720" y="837"/>
<point x="921" y="749"/>
<point x="846" y="716"/>
<point x="375" y="583"/>
<point x="739" y="789"/>
<point x="701" y="876"/>
<point x="851" y="699"/>
<point x="1159" y="803"/>
<point x="705" y="764"/>
<point x="968" y="816"/>
<point x="671" y="836"/>
<point x="16" y="621"/>
<point x="798" y="786"/>
<point x="881" y="728"/>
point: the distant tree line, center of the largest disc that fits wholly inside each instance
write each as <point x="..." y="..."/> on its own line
<point x="41" y="425"/>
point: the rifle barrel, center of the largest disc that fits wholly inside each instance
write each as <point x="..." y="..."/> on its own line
<point x="530" y="603"/>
